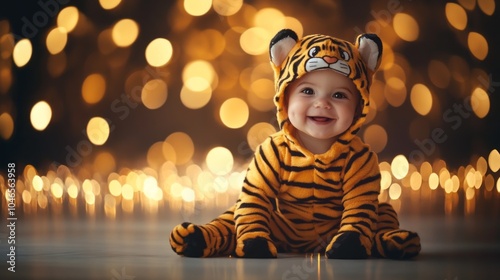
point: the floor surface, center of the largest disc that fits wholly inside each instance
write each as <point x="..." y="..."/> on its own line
<point x="454" y="247"/>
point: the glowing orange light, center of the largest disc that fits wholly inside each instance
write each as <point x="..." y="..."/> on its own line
<point x="406" y="27"/>
<point x="159" y="52"/>
<point x="40" y="115"/>
<point x="68" y="18"/>
<point x="22" y="52"/>
<point x="220" y="160"/>
<point x="456" y="15"/>
<point x="234" y="112"/>
<point x="400" y="166"/>
<point x="478" y="45"/>
<point x="125" y="32"/>
<point x="6" y="126"/>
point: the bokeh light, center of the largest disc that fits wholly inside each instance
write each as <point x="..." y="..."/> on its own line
<point x="197" y="7"/>
<point x="109" y="4"/>
<point x="6" y="126"/>
<point x="98" y="130"/>
<point x="254" y="40"/>
<point x="494" y="160"/>
<point x="433" y="181"/>
<point x="155" y="156"/>
<point x="196" y="99"/>
<point x="159" y="52"/>
<point x="68" y="18"/>
<point x="415" y="180"/>
<point x="115" y="188"/>
<point x="56" y="190"/>
<point x="188" y="195"/>
<point x="263" y="88"/>
<point x="151" y="189"/>
<point x="480" y="102"/>
<point x="37" y="183"/>
<point x="227" y="8"/>
<point x="456" y="15"/>
<point x="56" y="40"/>
<point x="22" y="52"/>
<point x="406" y="27"/>
<point x="385" y="179"/>
<point x="234" y="113"/>
<point x="183" y="146"/>
<point x="125" y="32"/>
<point x="207" y="44"/>
<point x="127" y="192"/>
<point x="468" y="4"/>
<point x="421" y="99"/>
<point x="40" y="115"/>
<point x="262" y="20"/>
<point x="93" y="88"/>
<point x="375" y="136"/>
<point x="395" y="91"/>
<point x="400" y="166"/>
<point x="478" y="45"/>
<point x="154" y="94"/>
<point x="104" y="163"/>
<point x="395" y="191"/>
<point x="258" y="133"/>
<point x="487" y="6"/>
<point x="220" y="161"/>
<point x="199" y="75"/>
<point x="26" y="197"/>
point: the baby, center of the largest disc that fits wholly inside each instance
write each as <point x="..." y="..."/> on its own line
<point x="313" y="186"/>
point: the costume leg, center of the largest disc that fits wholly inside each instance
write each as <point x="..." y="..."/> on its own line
<point x="213" y="239"/>
<point x="390" y="241"/>
<point x="280" y="235"/>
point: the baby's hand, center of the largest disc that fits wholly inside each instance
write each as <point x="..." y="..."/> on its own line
<point x="346" y="245"/>
<point x="257" y="247"/>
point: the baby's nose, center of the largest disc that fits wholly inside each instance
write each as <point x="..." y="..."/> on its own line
<point x="322" y="103"/>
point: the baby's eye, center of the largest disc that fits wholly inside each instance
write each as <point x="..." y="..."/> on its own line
<point x="307" y="91"/>
<point x="339" y="95"/>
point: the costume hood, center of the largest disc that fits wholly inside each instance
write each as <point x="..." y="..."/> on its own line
<point x="291" y="58"/>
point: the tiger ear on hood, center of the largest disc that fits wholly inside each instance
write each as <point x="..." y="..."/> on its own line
<point x="370" y="48"/>
<point x="281" y="45"/>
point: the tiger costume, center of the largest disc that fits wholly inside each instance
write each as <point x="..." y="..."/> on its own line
<point x="295" y="201"/>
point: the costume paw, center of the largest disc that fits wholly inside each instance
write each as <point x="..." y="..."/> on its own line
<point x="397" y="244"/>
<point x="347" y="245"/>
<point x="258" y="247"/>
<point x="187" y="239"/>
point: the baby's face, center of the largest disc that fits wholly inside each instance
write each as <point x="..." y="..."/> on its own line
<point x="322" y="104"/>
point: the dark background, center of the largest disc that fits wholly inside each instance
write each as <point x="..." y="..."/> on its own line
<point x="131" y="138"/>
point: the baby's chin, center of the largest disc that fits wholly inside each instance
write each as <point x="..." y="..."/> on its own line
<point x="322" y="137"/>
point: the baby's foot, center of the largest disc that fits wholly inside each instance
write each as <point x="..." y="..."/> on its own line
<point x="397" y="244"/>
<point x="346" y="246"/>
<point x="187" y="239"/>
<point x="257" y="247"/>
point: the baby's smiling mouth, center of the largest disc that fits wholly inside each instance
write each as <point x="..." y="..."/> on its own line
<point x="320" y="119"/>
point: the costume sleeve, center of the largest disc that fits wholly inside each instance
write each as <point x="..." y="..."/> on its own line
<point x="361" y="187"/>
<point x="259" y="192"/>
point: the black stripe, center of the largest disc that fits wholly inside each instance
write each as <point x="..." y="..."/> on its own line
<point x="329" y="169"/>
<point x="354" y="158"/>
<point x="368" y="180"/>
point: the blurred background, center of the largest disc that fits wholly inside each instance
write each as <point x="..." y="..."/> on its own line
<point x="110" y="107"/>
